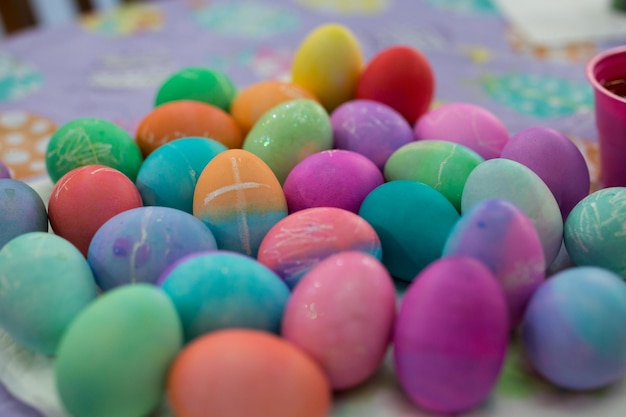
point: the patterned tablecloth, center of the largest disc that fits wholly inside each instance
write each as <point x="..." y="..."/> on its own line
<point x="109" y="66"/>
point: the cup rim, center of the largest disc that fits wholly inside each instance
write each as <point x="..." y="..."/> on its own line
<point x="593" y="62"/>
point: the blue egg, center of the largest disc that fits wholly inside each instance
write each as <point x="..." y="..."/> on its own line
<point x="222" y="289"/>
<point x="21" y="210"/>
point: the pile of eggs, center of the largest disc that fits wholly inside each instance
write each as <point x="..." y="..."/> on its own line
<point x="262" y="231"/>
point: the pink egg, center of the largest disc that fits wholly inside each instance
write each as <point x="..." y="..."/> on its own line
<point x="341" y="314"/>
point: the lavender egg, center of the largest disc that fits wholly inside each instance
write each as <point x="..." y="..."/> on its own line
<point x="21" y="210"/>
<point x="4" y="171"/>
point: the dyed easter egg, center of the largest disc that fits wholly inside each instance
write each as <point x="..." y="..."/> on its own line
<point x="138" y="245"/>
<point x="21" y="210"/>
<point x="443" y="165"/>
<point x="206" y="85"/>
<point x="341" y="314"/>
<point x="242" y="373"/>
<point x="328" y="63"/>
<point x="556" y="160"/>
<point x="288" y="133"/>
<point x="466" y="124"/>
<point x="90" y="141"/>
<point x="169" y="175"/>
<point x="186" y="118"/>
<point x="4" y="171"/>
<point x="255" y="100"/>
<point x="508" y="180"/>
<point x="573" y="330"/>
<point x="451" y="336"/>
<point x="45" y="283"/>
<point x="114" y="357"/>
<point x="400" y="77"/>
<point x="594" y="230"/>
<point x="370" y="128"/>
<point x="504" y="239"/>
<point x="413" y="221"/>
<point x="334" y="178"/>
<point x="86" y="197"/>
<point x="301" y="240"/>
<point x="239" y="198"/>
<point x="218" y="290"/>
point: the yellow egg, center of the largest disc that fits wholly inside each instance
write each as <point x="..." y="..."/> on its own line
<point x="328" y="63"/>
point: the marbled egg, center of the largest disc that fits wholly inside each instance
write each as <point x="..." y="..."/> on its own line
<point x="451" y="336"/>
<point x="239" y="198"/>
<point x="21" y="210"/>
<point x="206" y="85"/>
<point x="4" y="171"/>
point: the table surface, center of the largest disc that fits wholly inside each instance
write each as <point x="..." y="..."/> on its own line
<point x="110" y="65"/>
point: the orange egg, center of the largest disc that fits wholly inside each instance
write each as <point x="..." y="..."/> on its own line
<point x="186" y="118"/>
<point x="243" y="373"/>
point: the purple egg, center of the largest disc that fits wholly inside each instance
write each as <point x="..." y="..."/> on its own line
<point x="21" y="210"/>
<point x="556" y="160"/>
<point x="370" y="128"/>
<point x="4" y="171"/>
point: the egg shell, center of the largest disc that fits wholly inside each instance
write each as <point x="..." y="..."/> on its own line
<point x="503" y="238"/>
<point x="186" y="118"/>
<point x="573" y="330"/>
<point x="45" y="283"/>
<point x="85" y="198"/>
<point x="288" y="133"/>
<point x="301" y="240"/>
<point x="113" y="359"/>
<point x="341" y="314"/>
<point x="451" y="336"/>
<point x="169" y="175"/>
<point x="504" y="179"/>
<point x="239" y="198"/>
<point x="443" y="165"/>
<point x="21" y="210"/>
<point x="217" y="290"/>
<point x="333" y="178"/>
<point x="242" y="373"/>
<point x="138" y="245"/>
<point x="206" y="85"/>
<point x="401" y="77"/>
<point x="556" y="160"/>
<point x="4" y="171"/>
<point x="257" y="99"/>
<point x="328" y="63"/>
<point x="92" y="141"/>
<point x="594" y="230"/>
<point x="413" y="221"/>
<point x="466" y="124"/>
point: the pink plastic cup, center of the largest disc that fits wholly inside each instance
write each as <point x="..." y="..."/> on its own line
<point x="610" y="111"/>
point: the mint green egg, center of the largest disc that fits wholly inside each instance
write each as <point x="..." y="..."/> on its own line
<point x="113" y="359"/>
<point x="443" y="165"/>
<point x="45" y="282"/>
<point x="288" y="133"/>
<point x="199" y="84"/>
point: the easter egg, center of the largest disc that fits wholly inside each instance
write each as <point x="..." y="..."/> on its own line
<point x="218" y="290"/>
<point x="186" y="118"/>
<point x="594" y="230"/>
<point x="301" y="240"/>
<point x="341" y="314"/>
<point x="288" y="133"/>
<point x="443" y="165"/>
<point x="328" y="63"/>
<point x="413" y="221"/>
<point x="90" y="141"/>
<point x="243" y="373"/>
<point x="573" y="330"/>
<point x="239" y="198"/>
<point x="21" y="210"/>
<point x="508" y="180"/>
<point x="255" y="100"/>
<point x="503" y="238"/>
<point x="86" y="197"/>
<point x="4" y="171"/>
<point x="138" y="245"/>
<point x="45" y="283"/>
<point x="169" y="175"/>
<point x="466" y="124"/>
<point x="206" y="85"/>
<point x="451" y="336"/>
<point x="114" y="357"/>
<point x="333" y="178"/>
<point x="400" y="77"/>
